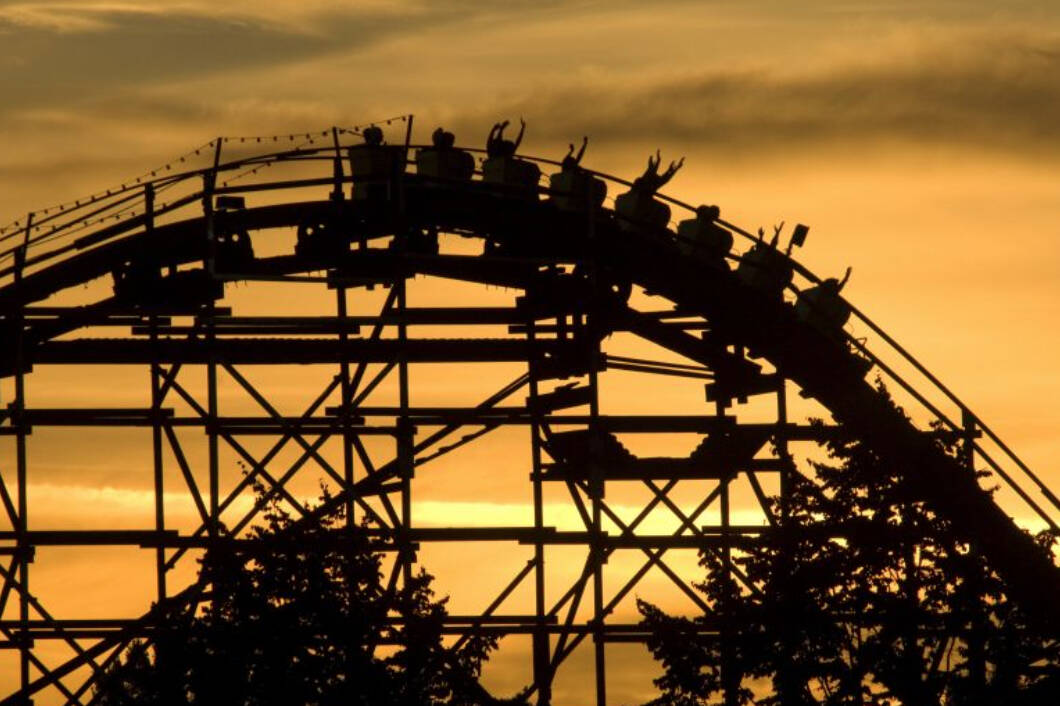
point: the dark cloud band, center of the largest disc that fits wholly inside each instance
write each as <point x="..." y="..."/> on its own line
<point x="994" y="93"/>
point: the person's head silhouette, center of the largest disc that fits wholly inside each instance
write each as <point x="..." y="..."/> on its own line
<point x="373" y="136"/>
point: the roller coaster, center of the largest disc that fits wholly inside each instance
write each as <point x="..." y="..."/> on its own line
<point x="153" y="279"/>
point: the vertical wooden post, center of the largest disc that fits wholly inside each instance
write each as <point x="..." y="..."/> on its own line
<point x="344" y="408"/>
<point x="730" y="676"/>
<point x="405" y="429"/>
<point x="209" y="185"/>
<point x="787" y="675"/>
<point x="156" y="416"/>
<point x="337" y="175"/>
<point x="596" y="478"/>
<point x="541" y="662"/>
<point x="18" y="421"/>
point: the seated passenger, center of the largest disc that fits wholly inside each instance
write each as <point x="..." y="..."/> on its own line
<point x="497" y="146"/>
<point x="703" y="237"/>
<point x="637" y="207"/>
<point x="574" y="188"/>
<point x="374" y="165"/>
<point x="571" y="162"/>
<point x="443" y="160"/>
<point x="766" y="268"/>
<point x="822" y="307"/>
<point x="503" y="167"/>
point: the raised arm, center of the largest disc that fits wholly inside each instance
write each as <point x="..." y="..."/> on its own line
<point x="495" y="146"/>
<point x="571" y="160"/>
<point x="776" y="234"/>
<point x="670" y="171"/>
<point x="495" y="134"/>
<point x="651" y="180"/>
<point x="519" y="137"/>
<point x="843" y="282"/>
<point x="581" y="152"/>
<point x="653" y="166"/>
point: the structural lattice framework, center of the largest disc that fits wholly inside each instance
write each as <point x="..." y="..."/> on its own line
<point x="189" y="297"/>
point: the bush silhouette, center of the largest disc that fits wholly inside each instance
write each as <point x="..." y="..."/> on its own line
<point x="297" y="613"/>
<point x="862" y="595"/>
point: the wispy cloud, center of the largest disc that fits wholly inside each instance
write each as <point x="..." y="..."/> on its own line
<point x="104" y="49"/>
<point x="63" y="53"/>
<point x="135" y="82"/>
<point x="135" y="62"/>
<point x="84" y="16"/>
<point x="996" y="93"/>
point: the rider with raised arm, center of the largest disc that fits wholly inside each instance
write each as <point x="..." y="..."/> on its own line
<point x="497" y="146"/>
<point x="573" y="188"/>
<point x="637" y="208"/>
<point x="822" y="307"/>
<point x="503" y="167"/>
<point x="572" y="162"/>
<point x="765" y="267"/>
<point x="651" y="180"/>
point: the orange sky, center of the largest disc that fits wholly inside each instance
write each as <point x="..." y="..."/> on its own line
<point x="919" y="141"/>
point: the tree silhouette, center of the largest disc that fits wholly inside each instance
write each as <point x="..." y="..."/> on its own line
<point x="862" y="595"/>
<point x="298" y="614"/>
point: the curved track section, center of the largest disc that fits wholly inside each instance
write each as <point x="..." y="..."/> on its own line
<point x="572" y="265"/>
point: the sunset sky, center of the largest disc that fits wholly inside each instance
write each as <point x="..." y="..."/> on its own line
<point x="919" y="140"/>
